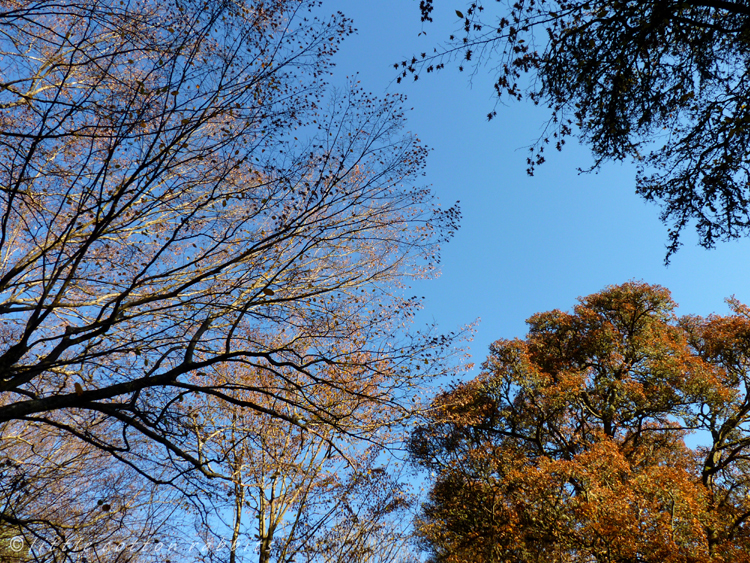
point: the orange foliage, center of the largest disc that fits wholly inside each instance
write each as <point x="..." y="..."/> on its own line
<point x="570" y="446"/>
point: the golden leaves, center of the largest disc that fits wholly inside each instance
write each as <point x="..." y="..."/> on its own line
<point x="577" y="435"/>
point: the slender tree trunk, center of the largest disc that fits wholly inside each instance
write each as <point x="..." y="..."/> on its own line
<point x="264" y="535"/>
<point x="239" y="501"/>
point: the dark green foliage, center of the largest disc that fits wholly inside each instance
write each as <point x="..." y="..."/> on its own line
<point x="664" y="84"/>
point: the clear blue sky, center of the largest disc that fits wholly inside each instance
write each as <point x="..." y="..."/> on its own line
<point x="525" y="244"/>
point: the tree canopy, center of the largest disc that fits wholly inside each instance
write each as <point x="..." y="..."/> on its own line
<point x="184" y="199"/>
<point x="661" y="83"/>
<point x="574" y="443"/>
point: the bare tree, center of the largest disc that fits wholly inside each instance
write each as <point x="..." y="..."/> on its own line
<point x="62" y="499"/>
<point x="181" y="192"/>
<point x="159" y="219"/>
<point x="305" y="494"/>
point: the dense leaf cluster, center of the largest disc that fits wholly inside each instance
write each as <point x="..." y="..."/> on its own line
<point x="571" y="445"/>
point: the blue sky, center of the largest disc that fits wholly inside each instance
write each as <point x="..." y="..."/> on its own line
<point x="525" y="244"/>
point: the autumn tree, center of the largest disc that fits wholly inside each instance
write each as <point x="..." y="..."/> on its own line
<point x="306" y="494"/>
<point x="180" y="192"/>
<point x="660" y="83"/>
<point x="63" y="499"/>
<point x="571" y="445"/>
